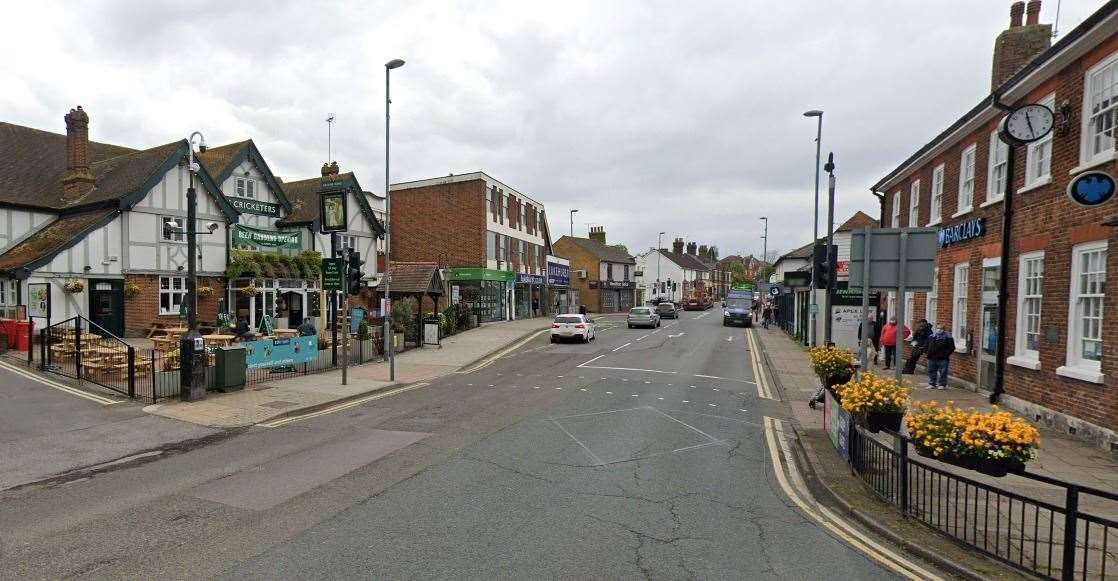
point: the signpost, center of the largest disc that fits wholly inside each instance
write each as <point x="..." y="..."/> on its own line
<point x="332" y="271"/>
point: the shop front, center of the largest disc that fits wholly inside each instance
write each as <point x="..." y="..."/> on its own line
<point x="616" y="296"/>
<point x="529" y="288"/>
<point x="488" y="292"/>
<point x="558" y="297"/>
<point x="286" y="301"/>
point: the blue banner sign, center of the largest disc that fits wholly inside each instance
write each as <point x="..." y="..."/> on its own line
<point x="961" y="232"/>
<point x="275" y="352"/>
<point x="558" y="274"/>
<point x="1091" y="188"/>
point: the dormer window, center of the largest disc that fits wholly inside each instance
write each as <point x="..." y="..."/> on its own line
<point x="246" y="188"/>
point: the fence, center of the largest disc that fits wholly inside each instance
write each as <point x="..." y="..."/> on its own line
<point x="1061" y="537"/>
<point x="80" y="349"/>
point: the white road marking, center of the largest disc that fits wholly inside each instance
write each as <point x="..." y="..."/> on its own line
<point x="758" y="370"/>
<point x="679" y="334"/>
<point x="589" y="362"/>
<point x="714" y="416"/>
<point x="642" y="337"/>
<point x="594" y="414"/>
<point x="623" y="379"/>
<point x="648" y="382"/>
<point x="629" y="369"/>
<point x="535" y="387"/>
<point x="634" y="395"/>
<point x="715" y="389"/>
<point x="685" y="401"/>
<point x="660" y="398"/>
<point x="489" y="360"/>
<point x="609" y="393"/>
<point x="713" y="405"/>
<point x="726" y="379"/>
<point x="656" y="331"/>
<point x="342" y="406"/>
<point x="59" y="386"/>
<point x="797" y="492"/>
<point x="621" y="347"/>
<point x="703" y="315"/>
<point x="580" y="389"/>
<point x="594" y="458"/>
<point x="687" y="425"/>
<point x="730" y="338"/>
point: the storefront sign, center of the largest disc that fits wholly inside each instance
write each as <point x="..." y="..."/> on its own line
<point x="529" y="278"/>
<point x="257" y="207"/>
<point x="248" y="236"/>
<point x="276" y="352"/>
<point x="842" y="267"/>
<point x="617" y="284"/>
<point x="968" y="230"/>
<point x="331" y="185"/>
<point x="333" y="212"/>
<point x="742" y="286"/>
<point x="481" y="274"/>
<point x="332" y="274"/>
<point x="558" y="274"/>
<point x="1091" y="188"/>
<point x="38" y="303"/>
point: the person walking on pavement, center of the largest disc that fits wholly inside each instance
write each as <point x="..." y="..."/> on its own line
<point x="871" y="338"/>
<point x="919" y="345"/>
<point x="889" y="341"/>
<point x="940" y="347"/>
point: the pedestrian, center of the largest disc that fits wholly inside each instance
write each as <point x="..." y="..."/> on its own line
<point x="306" y="328"/>
<point x="919" y="345"/>
<point x="767" y="317"/>
<point x="535" y="307"/>
<point x="889" y="341"/>
<point x="243" y="331"/>
<point x="940" y="347"/>
<point x="582" y="309"/>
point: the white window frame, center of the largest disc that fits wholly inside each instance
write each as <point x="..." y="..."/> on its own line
<point x="890" y="305"/>
<point x="1039" y="154"/>
<point x="349" y="241"/>
<point x="245" y="188"/>
<point x="909" y="309"/>
<point x="996" y="171"/>
<point x="960" y="304"/>
<point x="165" y="235"/>
<point x="935" y="206"/>
<point x="895" y="222"/>
<point x="173" y="292"/>
<point x="1088" y="156"/>
<point x="1075" y="365"/>
<point x="914" y="205"/>
<point x="1022" y="355"/>
<point x="9" y="292"/>
<point x="931" y="300"/>
<point x="967" y="163"/>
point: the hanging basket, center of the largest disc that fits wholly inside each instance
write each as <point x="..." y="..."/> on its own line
<point x="74" y="286"/>
<point x="131" y="290"/>
<point x="205" y="291"/>
<point x="248" y="291"/>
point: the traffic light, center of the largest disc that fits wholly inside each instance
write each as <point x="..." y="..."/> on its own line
<point x="823" y="265"/>
<point x="354" y="274"/>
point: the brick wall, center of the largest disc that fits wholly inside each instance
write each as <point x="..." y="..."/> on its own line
<point x="143" y="310"/>
<point x="1044" y="219"/>
<point x="581" y="259"/>
<point x="442" y="223"/>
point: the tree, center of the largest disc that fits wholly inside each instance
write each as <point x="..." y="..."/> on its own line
<point x="737" y="273"/>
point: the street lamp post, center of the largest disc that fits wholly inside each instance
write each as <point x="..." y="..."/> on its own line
<point x="765" y="237"/>
<point x="659" y="246"/>
<point x="573" y="223"/>
<point x="192" y="354"/>
<point x="388" y="66"/>
<point x="815" y="223"/>
<point x="830" y="168"/>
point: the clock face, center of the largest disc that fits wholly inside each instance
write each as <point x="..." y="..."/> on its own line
<point x="1029" y="123"/>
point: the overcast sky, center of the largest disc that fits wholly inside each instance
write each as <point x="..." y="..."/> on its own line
<point x="647" y="116"/>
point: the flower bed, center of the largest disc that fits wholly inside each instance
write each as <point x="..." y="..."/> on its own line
<point x="876" y="403"/>
<point x="993" y="443"/>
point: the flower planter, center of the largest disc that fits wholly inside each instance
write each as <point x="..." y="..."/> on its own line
<point x="996" y="467"/>
<point x="874" y="422"/>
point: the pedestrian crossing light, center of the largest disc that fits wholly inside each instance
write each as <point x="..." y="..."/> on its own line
<point x="354" y="274"/>
<point x="824" y="264"/>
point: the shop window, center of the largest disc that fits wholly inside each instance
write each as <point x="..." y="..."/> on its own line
<point x="959" y="306"/>
<point x="171" y="228"/>
<point x="172" y="292"/>
<point x="9" y="293"/>
<point x="937" y="195"/>
<point x="1085" y="320"/>
<point x="895" y="222"/>
<point x="491" y="245"/>
<point x="1030" y="293"/>
<point x="1038" y="158"/>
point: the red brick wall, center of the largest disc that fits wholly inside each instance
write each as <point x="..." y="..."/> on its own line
<point x="1044" y="219"/>
<point x="442" y="223"/>
<point x="143" y="310"/>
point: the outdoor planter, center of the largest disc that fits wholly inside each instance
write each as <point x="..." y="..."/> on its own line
<point x="996" y="467"/>
<point x="876" y="403"/>
<point x="994" y="443"/>
<point x="877" y="421"/>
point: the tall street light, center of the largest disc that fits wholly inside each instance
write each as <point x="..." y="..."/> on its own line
<point x="573" y="223"/>
<point x="815" y="224"/>
<point x="765" y="237"/>
<point x="192" y="354"/>
<point x="388" y="66"/>
<point x="659" y="247"/>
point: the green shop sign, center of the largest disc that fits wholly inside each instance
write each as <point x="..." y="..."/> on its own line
<point x="481" y="274"/>
<point x="254" y="207"/>
<point x="247" y="236"/>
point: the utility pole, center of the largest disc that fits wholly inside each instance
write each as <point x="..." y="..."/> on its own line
<point x="192" y="353"/>
<point x="659" y="247"/>
<point x="329" y="137"/>
<point x="765" y="237"/>
<point x="830" y="168"/>
<point x="389" y="351"/>
<point x="815" y="224"/>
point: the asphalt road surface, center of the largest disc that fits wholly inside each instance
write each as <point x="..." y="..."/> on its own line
<point x="639" y="455"/>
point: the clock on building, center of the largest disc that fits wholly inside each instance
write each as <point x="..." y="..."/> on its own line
<point x="1027" y="124"/>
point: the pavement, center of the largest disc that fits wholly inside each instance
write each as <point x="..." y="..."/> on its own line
<point x="1059" y="456"/>
<point x="645" y="454"/>
<point x="287" y="397"/>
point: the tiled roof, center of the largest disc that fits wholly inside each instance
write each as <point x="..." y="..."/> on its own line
<point x="857" y="222"/>
<point x="217" y="160"/>
<point x="602" y="251"/>
<point x="414" y="277"/>
<point x="303" y="195"/>
<point x="804" y="251"/>
<point x="44" y="244"/>
<point x="688" y="261"/>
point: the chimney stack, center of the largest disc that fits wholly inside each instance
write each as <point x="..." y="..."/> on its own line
<point x="691" y="246"/>
<point x="598" y="233"/>
<point x="1016" y="46"/>
<point x="78" y="180"/>
<point x="703" y="251"/>
<point x="677" y="246"/>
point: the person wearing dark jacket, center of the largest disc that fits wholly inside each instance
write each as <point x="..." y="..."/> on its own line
<point x="307" y="329"/>
<point x="920" y="338"/>
<point x="940" y="347"/>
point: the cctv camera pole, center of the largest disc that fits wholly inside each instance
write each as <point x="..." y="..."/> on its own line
<point x="192" y="356"/>
<point x="827" y="322"/>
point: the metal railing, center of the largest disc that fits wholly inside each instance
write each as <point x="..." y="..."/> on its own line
<point x="1060" y="537"/>
<point x="81" y="349"/>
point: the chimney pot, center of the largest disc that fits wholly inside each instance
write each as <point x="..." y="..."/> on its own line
<point x="598" y="233"/>
<point x="1015" y="11"/>
<point x="78" y="180"/>
<point x="677" y="246"/>
<point x="1032" y="13"/>
<point x="691" y="247"/>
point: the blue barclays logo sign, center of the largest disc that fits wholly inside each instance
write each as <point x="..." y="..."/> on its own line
<point x="962" y="232"/>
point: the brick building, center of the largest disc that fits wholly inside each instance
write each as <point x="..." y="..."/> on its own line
<point x="492" y="239"/>
<point x="602" y="276"/>
<point x="1061" y="327"/>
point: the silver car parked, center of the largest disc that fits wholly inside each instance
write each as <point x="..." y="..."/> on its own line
<point x="643" y="317"/>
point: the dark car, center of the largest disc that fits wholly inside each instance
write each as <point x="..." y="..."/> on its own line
<point x="738" y="309"/>
<point x="667" y="310"/>
<point x="693" y="305"/>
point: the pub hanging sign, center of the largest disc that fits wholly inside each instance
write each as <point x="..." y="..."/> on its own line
<point x="962" y="232"/>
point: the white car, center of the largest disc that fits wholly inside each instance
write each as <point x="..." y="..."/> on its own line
<point x="579" y="327"/>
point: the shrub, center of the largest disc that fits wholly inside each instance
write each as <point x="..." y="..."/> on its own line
<point x="363" y="330"/>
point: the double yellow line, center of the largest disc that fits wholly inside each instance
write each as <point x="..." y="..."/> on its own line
<point x="763" y="390"/>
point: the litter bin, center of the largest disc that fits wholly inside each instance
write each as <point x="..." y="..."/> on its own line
<point x="230" y="368"/>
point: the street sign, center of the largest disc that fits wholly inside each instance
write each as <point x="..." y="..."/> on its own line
<point x="1092" y="188"/>
<point x="332" y="274"/>
<point x="885" y="257"/>
<point x="774" y="291"/>
<point x="814" y="309"/>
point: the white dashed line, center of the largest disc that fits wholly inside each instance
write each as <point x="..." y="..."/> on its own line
<point x="634" y="395"/>
<point x="559" y="389"/>
<point x="660" y="398"/>
<point x="582" y="389"/>
<point x="609" y="393"/>
<point x="622" y="347"/>
<point x="535" y="387"/>
<point x="685" y="401"/>
<point x="648" y="382"/>
<point x="642" y="338"/>
<point x="715" y="389"/>
<point x="713" y="405"/>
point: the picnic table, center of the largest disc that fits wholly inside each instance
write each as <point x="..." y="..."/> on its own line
<point x="285" y="333"/>
<point x="218" y="340"/>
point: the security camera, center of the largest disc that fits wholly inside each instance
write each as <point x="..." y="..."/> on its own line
<point x="212" y="227"/>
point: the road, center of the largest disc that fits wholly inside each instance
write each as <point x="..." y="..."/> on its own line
<point x="644" y="454"/>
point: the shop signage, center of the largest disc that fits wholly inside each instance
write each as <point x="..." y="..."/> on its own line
<point x="968" y="230"/>
<point x="797" y="279"/>
<point x="529" y="278"/>
<point x="332" y="274"/>
<point x="334" y="185"/>
<point x="558" y="274"/>
<point x="254" y="207"/>
<point x="742" y="286"/>
<point x="617" y="284"/>
<point x="277" y="352"/>
<point x="38" y="304"/>
<point x="1092" y="188"/>
<point x="333" y="212"/>
<point x="842" y="267"/>
<point x="482" y="274"/>
<point x="248" y="236"/>
<point x="774" y="291"/>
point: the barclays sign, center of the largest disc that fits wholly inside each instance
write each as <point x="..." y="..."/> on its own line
<point x="962" y="232"/>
